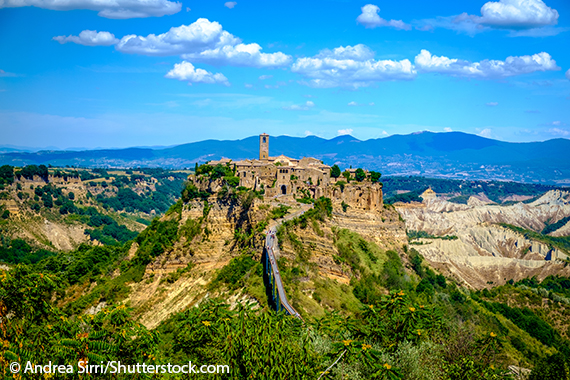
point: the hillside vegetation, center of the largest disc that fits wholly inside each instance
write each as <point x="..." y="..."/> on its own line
<point x="372" y="307"/>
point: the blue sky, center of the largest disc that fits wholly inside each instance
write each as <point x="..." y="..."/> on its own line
<point x="86" y="73"/>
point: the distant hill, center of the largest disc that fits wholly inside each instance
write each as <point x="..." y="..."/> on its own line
<point x="442" y="155"/>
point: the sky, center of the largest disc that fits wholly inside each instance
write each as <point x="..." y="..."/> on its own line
<point x="120" y="73"/>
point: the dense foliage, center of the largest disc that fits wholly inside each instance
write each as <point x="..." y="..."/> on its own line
<point x="6" y="175"/>
<point x="17" y="251"/>
<point x="33" y="329"/>
<point x="32" y="170"/>
<point x="554" y="226"/>
<point x="412" y="196"/>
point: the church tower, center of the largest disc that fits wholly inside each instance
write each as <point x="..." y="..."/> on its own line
<point x="264" y="147"/>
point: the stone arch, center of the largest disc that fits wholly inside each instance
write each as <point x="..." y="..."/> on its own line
<point x="283" y="189"/>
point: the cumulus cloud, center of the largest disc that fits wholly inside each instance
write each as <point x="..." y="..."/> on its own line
<point x="196" y="37"/>
<point x="486" y="69"/>
<point x="230" y="4"/>
<point x="492" y="104"/>
<point x="89" y="38"/>
<point x="530" y="18"/>
<point x="203" y="41"/>
<point x="517" y="14"/>
<point x="447" y="129"/>
<point x="114" y="9"/>
<point x="568" y="74"/>
<point x="187" y="72"/>
<point x="249" y="55"/>
<point x="342" y="132"/>
<point x="351" y="66"/>
<point x="300" y="107"/>
<point x="371" y="19"/>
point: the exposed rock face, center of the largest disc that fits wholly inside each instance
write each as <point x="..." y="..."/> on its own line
<point x="485" y="252"/>
<point x="213" y="248"/>
<point x="154" y="300"/>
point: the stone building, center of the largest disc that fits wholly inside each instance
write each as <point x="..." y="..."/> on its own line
<point x="282" y="176"/>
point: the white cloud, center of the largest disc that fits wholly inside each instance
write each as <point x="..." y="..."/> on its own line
<point x="196" y="37"/>
<point x="248" y="85"/>
<point x="89" y="38"/>
<point x="486" y="69"/>
<point x="187" y="72"/>
<point x="5" y="74"/>
<point x="517" y="14"/>
<point x="249" y="55"/>
<point x="230" y="4"/>
<point x="342" y="132"/>
<point x="353" y="104"/>
<point x="447" y="129"/>
<point x="300" y="107"/>
<point x="485" y="133"/>
<point x="351" y="66"/>
<point x="114" y="9"/>
<point x="530" y="18"/>
<point x="203" y="41"/>
<point x="264" y="77"/>
<point x="568" y="74"/>
<point x="492" y="104"/>
<point x="358" y="52"/>
<point x="370" y="19"/>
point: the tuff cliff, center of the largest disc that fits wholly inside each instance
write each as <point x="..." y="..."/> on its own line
<point x="210" y="233"/>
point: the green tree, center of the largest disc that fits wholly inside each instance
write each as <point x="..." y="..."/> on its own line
<point x="335" y="171"/>
<point x="359" y="175"/>
<point x="47" y="200"/>
<point x="6" y="174"/>
<point x="375" y="176"/>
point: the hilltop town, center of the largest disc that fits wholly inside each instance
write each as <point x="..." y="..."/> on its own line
<point x="292" y="178"/>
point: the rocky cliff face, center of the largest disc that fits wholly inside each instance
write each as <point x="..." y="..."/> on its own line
<point x="485" y="253"/>
<point x="154" y="299"/>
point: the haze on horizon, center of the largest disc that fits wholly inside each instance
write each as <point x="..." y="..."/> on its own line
<point x="162" y="73"/>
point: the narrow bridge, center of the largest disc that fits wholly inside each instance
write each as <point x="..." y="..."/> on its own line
<point x="272" y="270"/>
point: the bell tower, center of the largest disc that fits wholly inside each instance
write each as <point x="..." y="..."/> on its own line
<point x="263" y="147"/>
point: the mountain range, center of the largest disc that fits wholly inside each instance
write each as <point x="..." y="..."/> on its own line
<point x="441" y="155"/>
